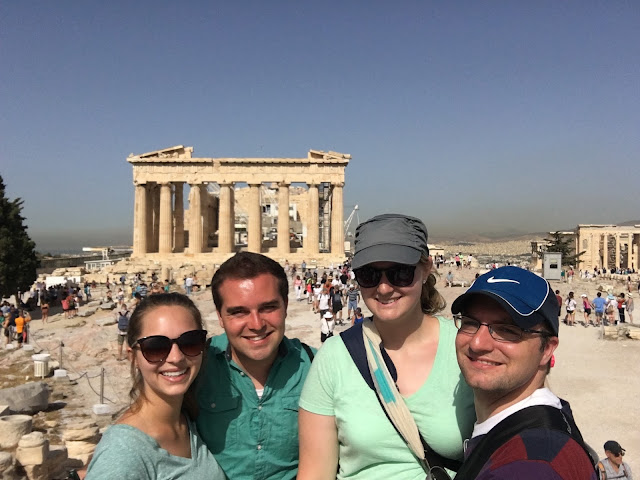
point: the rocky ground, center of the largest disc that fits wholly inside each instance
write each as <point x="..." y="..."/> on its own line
<point x="598" y="377"/>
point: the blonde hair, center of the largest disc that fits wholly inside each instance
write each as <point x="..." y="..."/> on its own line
<point x="430" y="299"/>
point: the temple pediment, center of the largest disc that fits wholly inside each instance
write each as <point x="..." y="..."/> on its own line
<point x="176" y="152"/>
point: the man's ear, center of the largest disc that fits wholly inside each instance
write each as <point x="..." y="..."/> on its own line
<point x="220" y="319"/>
<point x="550" y="348"/>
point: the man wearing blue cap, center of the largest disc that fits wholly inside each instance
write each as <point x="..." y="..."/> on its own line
<point x="507" y="334"/>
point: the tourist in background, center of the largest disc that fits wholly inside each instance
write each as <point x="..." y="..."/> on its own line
<point x="612" y="466"/>
<point x="571" y="305"/>
<point x="612" y="308"/>
<point x="336" y="304"/>
<point x="630" y="307"/>
<point x="586" y="308"/>
<point x="156" y="437"/>
<point x="599" y="306"/>
<point x="622" y="306"/>
<point x="327" y="326"/>
<point x="44" y="309"/>
<point x="324" y="301"/>
<point x="358" y="316"/>
<point x="343" y="427"/>
<point x="297" y="285"/>
<point x="449" y="279"/>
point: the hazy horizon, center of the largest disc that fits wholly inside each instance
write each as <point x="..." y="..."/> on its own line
<point x="476" y="117"/>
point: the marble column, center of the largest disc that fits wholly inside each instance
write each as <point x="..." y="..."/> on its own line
<point x="140" y="221"/>
<point x="195" y="219"/>
<point x="213" y="214"/>
<point x="226" y="220"/>
<point x="594" y="247"/>
<point x="630" y="250"/>
<point x="617" y="240"/>
<point x="165" y="221"/>
<point x="149" y="222"/>
<point x="283" y="219"/>
<point x="254" y="222"/>
<point x="337" y="220"/>
<point x="156" y="217"/>
<point x="605" y="252"/>
<point x="311" y="243"/>
<point x="178" y="218"/>
<point x="206" y="206"/>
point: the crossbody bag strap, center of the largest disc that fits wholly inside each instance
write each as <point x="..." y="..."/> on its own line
<point x="353" y="340"/>
<point x="307" y="349"/>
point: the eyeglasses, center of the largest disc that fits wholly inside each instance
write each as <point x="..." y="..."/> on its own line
<point x="399" y="275"/>
<point x="156" y="348"/>
<point x="501" y="332"/>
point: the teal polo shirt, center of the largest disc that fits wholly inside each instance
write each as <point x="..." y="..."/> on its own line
<point x="252" y="438"/>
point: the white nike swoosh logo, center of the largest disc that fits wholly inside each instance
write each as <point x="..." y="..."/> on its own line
<point x="500" y="280"/>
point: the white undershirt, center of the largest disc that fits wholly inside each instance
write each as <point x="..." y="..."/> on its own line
<point x="542" y="396"/>
<point x="259" y="392"/>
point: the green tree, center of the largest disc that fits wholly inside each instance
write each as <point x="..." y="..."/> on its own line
<point x="18" y="259"/>
<point x="561" y="243"/>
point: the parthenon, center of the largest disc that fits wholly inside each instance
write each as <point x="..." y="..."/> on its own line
<point x="162" y="231"/>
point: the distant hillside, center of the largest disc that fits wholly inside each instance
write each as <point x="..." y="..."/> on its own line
<point x="492" y="237"/>
<point x="506" y="235"/>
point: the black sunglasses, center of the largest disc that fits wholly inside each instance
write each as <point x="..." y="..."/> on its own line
<point x="156" y="348"/>
<point x="399" y="275"/>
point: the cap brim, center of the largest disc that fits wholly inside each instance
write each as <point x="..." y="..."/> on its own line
<point x="386" y="253"/>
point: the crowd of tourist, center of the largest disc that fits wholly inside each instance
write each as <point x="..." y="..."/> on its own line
<point x="607" y="310"/>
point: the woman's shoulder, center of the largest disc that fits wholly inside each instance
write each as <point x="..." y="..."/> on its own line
<point x="123" y="452"/>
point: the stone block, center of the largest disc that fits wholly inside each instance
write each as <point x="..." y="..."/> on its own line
<point x="32" y="439"/>
<point x="6" y="461"/>
<point x="107" y="306"/>
<point x="86" y="433"/>
<point x="28" y="398"/>
<point x="105" y="321"/>
<point x="12" y="428"/>
<point x="101" y="409"/>
<point x="93" y="304"/>
<point x="81" y="449"/>
<point x="87" y="311"/>
<point x="32" y="449"/>
<point x="4" y="410"/>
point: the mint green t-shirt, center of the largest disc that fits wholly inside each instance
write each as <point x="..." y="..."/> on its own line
<point x="369" y="446"/>
<point x="126" y="453"/>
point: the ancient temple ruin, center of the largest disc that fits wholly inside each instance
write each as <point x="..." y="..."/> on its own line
<point x="608" y="246"/>
<point x="209" y="229"/>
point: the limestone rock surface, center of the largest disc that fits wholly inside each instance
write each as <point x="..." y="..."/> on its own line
<point x="28" y="398"/>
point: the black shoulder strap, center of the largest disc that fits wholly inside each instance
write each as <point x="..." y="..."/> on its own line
<point x="354" y="341"/>
<point x="538" y="416"/>
<point x="307" y="349"/>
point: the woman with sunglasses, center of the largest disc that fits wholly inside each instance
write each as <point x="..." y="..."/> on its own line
<point x="156" y="437"/>
<point x="343" y="425"/>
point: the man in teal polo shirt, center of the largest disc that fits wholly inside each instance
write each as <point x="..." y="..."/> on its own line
<point x="253" y="375"/>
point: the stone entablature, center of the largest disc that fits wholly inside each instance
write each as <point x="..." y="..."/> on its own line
<point x="159" y="222"/>
<point x="607" y="246"/>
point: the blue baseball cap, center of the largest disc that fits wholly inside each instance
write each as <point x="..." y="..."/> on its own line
<point x="391" y="237"/>
<point x="527" y="297"/>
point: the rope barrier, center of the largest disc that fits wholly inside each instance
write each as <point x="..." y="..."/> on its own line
<point x="84" y="374"/>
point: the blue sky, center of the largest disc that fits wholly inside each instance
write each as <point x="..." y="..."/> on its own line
<point x="478" y="117"/>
